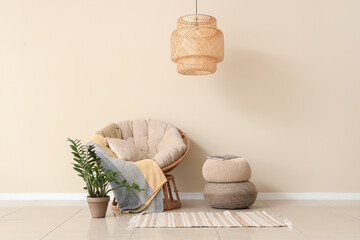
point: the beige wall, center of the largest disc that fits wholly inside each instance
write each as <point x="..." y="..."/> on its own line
<point x="286" y="96"/>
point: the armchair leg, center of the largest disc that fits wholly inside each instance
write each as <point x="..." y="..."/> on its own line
<point x="169" y="201"/>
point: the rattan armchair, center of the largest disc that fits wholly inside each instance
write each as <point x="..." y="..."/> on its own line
<point x="169" y="188"/>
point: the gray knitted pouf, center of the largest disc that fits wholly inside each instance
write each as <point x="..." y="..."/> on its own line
<point x="230" y="195"/>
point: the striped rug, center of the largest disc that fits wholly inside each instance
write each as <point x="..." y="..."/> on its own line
<point x="224" y="219"/>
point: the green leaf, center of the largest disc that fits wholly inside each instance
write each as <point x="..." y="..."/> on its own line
<point x="89" y="168"/>
<point x="74" y="148"/>
<point x="77" y="165"/>
<point x="78" y="170"/>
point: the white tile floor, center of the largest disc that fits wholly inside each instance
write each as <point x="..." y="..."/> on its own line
<point x="330" y="220"/>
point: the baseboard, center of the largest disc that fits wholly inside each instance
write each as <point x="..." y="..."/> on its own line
<point x="191" y="195"/>
<point x="309" y="196"/>
<point x="288" y="196"/>
<point x="188" y="195"/>
<point x="44" y="196"/>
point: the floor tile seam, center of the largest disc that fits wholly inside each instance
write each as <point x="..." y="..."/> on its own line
<point x="217" y="233"/>
<point x="60" y="224"/>
<point x="132" y="233"/>
<point x="8" y="213"/>
<point x="302" y="233"/>
<point x="346" y="214"/>
<point x="327" y="204"/>
<point x="338" y="210"/>
<point x="17" y="209"/>
<point x="296" y="229"/>
<point x="265" y="204"/>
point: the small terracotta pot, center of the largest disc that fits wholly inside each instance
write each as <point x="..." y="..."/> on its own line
<point x="98" y="206"/>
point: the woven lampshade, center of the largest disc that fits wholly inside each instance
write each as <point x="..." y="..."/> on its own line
<point x="197" y="45"/>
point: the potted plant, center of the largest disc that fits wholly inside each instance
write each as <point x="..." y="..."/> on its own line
<point x="88" y="166"/>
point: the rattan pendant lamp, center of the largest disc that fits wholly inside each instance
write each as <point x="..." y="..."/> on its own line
<point x="197" y="45"/>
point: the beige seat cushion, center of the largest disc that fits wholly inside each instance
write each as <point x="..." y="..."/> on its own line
<point x="158" y="140"/>
<point x="233" y="170"/>
<point x="125" y="150"/>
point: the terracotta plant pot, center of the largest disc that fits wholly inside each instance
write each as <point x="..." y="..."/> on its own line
<point x="98" y="206"/>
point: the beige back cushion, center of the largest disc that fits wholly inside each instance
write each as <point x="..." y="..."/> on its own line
<point x="158" y="140"/>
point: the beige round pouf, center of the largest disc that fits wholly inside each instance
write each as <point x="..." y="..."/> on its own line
<point x="230" y="195"/>
<point x="233" y="170"/>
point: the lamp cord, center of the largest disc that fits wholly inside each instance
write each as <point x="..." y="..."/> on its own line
<point x="196" y="7"/>
<point x="196" y="12"/>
